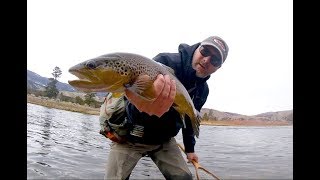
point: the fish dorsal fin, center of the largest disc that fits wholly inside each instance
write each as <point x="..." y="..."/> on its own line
<point x="168" y="68"/>
<point x="143" y="87"/>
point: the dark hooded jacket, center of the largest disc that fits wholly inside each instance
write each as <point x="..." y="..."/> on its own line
<point x="158" y="130"/>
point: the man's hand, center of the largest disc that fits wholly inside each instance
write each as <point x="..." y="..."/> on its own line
<point x="165" y="90"/>
<point x="192" y="156"/>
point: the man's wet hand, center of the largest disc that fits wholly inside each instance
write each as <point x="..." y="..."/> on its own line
<point x="192" y="157"/>
<point x="165" y="92"/>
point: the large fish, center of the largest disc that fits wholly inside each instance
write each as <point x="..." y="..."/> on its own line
<point x="116" y="72"/>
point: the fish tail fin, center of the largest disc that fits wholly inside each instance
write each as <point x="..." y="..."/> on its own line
<point x="197" y="119"/>
<point x="197" y="129"/>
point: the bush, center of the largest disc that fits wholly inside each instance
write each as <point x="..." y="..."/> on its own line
<point x="62" y="97"/>
<point x="79" y="100"/>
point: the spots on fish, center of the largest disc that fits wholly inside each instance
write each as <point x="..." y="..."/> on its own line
<point x="119" y="66"/>
<point x="123" y="66"/>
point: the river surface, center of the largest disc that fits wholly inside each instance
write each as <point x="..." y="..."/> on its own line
<point x="67" y="145"/>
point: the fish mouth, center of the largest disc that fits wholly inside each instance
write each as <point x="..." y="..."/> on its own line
<point x="87" y="81"/>
<point x="83" y="73"/>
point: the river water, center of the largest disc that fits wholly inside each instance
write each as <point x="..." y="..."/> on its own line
<point x="67" y="145"/>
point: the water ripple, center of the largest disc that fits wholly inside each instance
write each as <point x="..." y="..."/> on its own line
<point x="67" y="145"/>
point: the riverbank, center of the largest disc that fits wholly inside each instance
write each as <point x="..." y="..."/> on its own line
<point x="68" y="106"/>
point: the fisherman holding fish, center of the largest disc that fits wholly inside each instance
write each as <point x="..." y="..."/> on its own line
<point x="154" y="122"/>
<point x="192" y="66"/>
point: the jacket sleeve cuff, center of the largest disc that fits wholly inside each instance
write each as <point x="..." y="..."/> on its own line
<point x="189" y="149"/>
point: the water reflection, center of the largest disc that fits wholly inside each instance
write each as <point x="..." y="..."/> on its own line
<point x="48" y="114"/>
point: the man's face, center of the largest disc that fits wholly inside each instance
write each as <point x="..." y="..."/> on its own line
<point x="202" y="64"/>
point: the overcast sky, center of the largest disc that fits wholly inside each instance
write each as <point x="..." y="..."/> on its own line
<point x="257" y="76"/>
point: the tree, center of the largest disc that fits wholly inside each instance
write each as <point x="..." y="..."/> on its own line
<point x="56" y="72"/>
<point x="210" y="114"/>
<point x="89" y="99"/>
<point x="79" y="100"/>
<point x="214" y="118"/>
<point x="205" y="117"/>
<point x="51" y="89"/>
<point x="63" y="97"/>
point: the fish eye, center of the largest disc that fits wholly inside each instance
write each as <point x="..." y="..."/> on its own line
<point x="91" y="65"/>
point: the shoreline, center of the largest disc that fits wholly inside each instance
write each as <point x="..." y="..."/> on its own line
<point x="68" y="106"/>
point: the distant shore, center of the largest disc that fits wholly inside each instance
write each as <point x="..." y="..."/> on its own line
<point x="68" y="106"/>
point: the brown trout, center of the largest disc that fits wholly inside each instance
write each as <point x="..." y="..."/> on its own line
<point x="116" y="72"/>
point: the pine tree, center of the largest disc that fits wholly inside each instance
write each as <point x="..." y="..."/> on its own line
<point x="56" y="72"/>
<point x="51" y="89"/>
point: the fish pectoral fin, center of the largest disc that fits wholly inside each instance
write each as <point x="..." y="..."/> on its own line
<point x="143" y="87"/>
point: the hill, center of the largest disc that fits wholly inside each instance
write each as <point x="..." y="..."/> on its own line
<point x="35" y="81"/>
<point x="284" y="116"/>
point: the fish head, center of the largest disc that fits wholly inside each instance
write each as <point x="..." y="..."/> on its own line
<point x="106" y="73"/>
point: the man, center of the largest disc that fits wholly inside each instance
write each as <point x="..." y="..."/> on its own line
<point x="154" y="124"/>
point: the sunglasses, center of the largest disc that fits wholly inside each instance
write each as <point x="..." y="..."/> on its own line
<point x="214" y="60"/>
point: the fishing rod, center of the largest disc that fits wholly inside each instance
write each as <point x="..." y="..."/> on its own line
<point x="197" y="166"/>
